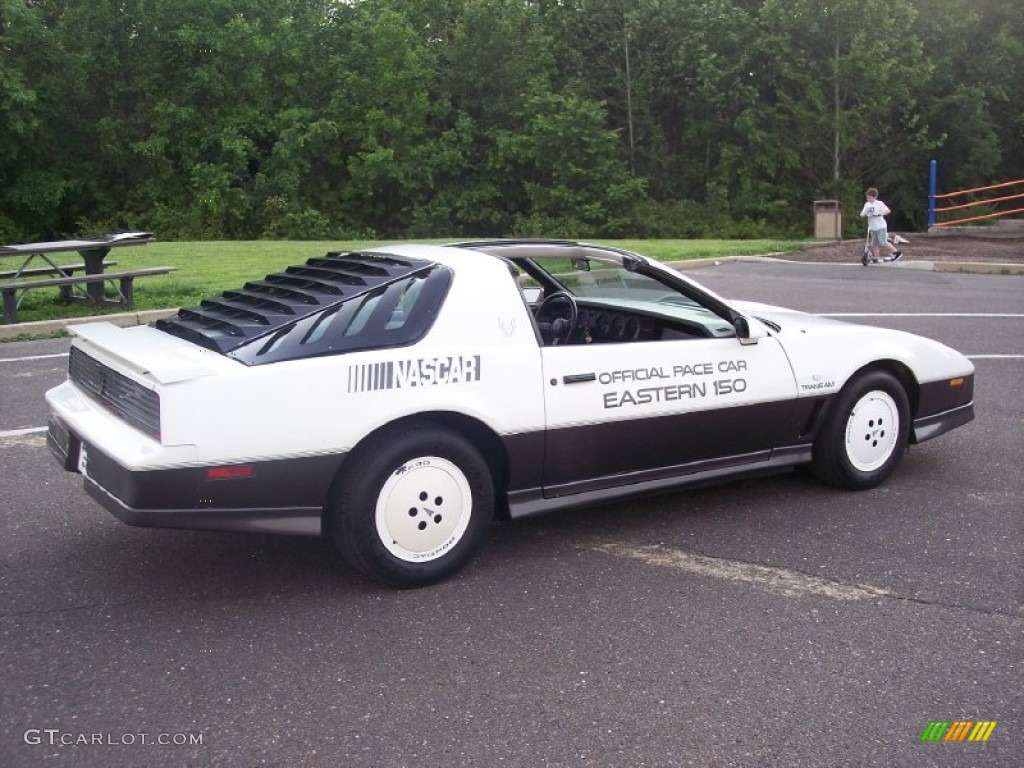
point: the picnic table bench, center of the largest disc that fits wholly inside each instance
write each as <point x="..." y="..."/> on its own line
<point x="63" y="269"/>
<point x="88" y="287"/>
<point x="125" y="289"/>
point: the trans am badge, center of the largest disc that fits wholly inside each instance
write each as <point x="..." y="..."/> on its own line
<point x="820" y="383"/>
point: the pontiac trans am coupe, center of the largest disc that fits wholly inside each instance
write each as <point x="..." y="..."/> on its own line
<point x="396" y="399"/>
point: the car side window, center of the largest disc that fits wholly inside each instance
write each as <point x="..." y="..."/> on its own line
<point x="363" y="313"/>
<point x="406" y="304"/>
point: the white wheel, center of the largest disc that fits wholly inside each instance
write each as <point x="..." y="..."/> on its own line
<point x="865" y="432"/>
<point x="423" y="509"/>
<point x="412" y="505"/>
<point x="872" y="431"/>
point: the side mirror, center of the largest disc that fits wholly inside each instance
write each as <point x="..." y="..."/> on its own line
<point x="743" y="331"/>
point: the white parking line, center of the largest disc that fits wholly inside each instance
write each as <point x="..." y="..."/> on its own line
<point x="33" y="357"/>
<point x="782" y="581"/>
<point x="20" y="432"/>
<point x="33" y="437"/>
<point x="918" y="314"/>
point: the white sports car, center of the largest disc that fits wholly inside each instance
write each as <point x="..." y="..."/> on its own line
<point x="395" y="399"/>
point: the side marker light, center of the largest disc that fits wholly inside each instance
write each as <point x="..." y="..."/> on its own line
<point x="230" y="473"/>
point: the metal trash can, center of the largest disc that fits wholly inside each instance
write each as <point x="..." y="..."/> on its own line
<point x="828" y="220"/>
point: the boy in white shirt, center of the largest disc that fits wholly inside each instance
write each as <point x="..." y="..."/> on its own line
<point x="878" y="235"/>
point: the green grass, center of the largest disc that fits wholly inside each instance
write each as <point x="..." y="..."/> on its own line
<point x="207" y="268"/>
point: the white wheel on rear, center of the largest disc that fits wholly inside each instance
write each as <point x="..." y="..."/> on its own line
<point x="423" y="509"/>
<point x="412" y="505"/>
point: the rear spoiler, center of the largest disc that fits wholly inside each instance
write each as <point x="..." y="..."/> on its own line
<point x="147" y="351"/>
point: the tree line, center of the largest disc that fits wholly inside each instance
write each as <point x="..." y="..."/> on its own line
<point x="302" y="119"/>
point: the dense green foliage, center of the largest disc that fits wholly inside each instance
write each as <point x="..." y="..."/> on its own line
<point x="202" y="119"/>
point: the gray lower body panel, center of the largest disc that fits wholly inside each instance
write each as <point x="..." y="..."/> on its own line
<point x="938" y="424"/>
<point x="536" y="501"/>
<point x="302" y="521"/>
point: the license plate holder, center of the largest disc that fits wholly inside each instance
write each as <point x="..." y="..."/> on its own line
<point x="63" y="444"/>
<point x="83" y="460"/>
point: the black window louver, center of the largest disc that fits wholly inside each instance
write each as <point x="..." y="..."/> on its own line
<point x="135" y="404"/>
<point x="262" y="307"/>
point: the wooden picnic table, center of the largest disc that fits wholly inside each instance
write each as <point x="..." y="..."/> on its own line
<point x="90" y="285"/>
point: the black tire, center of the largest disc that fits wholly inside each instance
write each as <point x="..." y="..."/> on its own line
<point x="865" y="433"/>
<point x="412" y="506"/>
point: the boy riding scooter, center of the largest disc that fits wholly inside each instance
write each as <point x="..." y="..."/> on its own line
<point x="893" y="240"/>
<point x="875" y="211"/>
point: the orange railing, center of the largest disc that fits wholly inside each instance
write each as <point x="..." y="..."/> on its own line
<point x="983" y="200"/>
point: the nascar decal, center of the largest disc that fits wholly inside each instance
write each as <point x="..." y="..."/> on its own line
<point x="421" y="372"/>
<point x="658" y="383"/>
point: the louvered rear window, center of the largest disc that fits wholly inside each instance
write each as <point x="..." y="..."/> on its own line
<point x="391" y="315"/>
<point x="269" y="308"/>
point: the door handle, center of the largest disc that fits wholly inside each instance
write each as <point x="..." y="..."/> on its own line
<point x="577" y="378"/>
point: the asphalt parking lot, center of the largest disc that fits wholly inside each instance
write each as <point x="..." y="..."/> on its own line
<point x="771" y="622"/>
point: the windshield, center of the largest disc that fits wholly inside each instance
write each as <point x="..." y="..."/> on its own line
<point x="604" y="280"/>
<point x="592" y="278"/>
<point x="613" y="283"/>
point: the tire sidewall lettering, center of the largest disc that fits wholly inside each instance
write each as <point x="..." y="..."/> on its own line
<point x="363" y="525"/>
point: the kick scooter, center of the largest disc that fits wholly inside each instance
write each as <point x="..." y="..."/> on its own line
<point x="869" y="258"/>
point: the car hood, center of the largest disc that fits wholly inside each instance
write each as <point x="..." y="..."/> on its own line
<point x="825" y="351"/>
<point x="786" y="318"/>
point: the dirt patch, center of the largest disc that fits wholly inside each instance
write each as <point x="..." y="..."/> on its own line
<point x="923" y="247"/>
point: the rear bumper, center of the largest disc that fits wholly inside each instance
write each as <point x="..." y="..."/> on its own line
<point x="285" y="496"/>
<point x="303" y="521"/>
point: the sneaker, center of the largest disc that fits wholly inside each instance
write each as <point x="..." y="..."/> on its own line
<point x="897" y="255"/>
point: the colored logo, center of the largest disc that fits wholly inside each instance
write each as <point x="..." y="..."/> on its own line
<point x="958" y="730"/>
